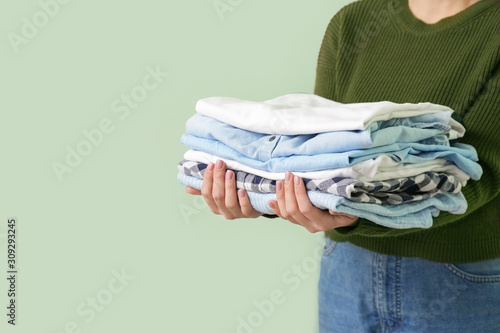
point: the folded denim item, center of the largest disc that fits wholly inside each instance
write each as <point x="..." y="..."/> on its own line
<point x="301" y="113"/>
<point x="393" y="191"/>
<point x="380" y="168"/>
<point x="462" y="155"/>
<point x="262" y="147"/>
<point x="408" y="215"/>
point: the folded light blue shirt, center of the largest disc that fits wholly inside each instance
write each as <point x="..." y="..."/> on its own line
<point x="462" y="155"/>
<point x="427" y="129"/>
<point x="407" y="215"/>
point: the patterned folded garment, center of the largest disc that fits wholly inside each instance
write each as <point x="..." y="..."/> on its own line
<point x="417" y="214"/>
<point x="392" y="191"/>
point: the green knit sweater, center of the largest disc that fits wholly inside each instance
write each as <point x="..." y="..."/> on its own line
<point x="376" y="50"/>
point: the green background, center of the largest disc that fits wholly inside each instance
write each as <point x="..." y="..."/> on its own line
<point x="121" y="209"/>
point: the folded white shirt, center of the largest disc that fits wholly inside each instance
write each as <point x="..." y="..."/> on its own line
<point x="381" y="168"/>
<point x="301" y="113"/>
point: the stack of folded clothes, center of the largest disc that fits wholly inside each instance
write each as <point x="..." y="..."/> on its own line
<point x="397" y="165"/>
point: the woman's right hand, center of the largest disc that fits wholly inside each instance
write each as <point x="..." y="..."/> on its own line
<point x="219" y="192"/>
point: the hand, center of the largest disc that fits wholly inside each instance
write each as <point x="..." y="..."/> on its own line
<point x="294" y="205"/>
<point x="219" y="191"/>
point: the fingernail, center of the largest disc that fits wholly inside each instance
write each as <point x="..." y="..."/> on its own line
<point x="218" y="164"/>
<point x="287" y="176"/>
<point x="241" y="194"/>
<point x="210" y="167"/>
<point x="279" y="185"/>
<point x="296" y="180"/>
<point x="229" y="175"/>
<point x="271" y="204"/>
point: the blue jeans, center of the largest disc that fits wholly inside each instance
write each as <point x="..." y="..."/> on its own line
<point x="363" y="291"/>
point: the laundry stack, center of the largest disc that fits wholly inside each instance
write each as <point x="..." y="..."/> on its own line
<point x="397" y="165"/>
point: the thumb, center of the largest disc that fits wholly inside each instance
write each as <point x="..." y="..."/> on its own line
<point x="191" y="190"/>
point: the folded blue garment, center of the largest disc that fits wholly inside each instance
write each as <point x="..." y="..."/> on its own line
<point x="407" y="215"/>
<point x="427" y="129"/>
<point x="462" y="155"/>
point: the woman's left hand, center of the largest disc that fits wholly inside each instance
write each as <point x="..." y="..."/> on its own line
<point x="294" y="205"/>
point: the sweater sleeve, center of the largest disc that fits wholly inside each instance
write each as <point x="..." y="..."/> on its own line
<point x="482" y="120"/>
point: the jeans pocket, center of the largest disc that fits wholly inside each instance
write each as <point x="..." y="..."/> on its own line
<point x="329" y="246"/>
<point x="487" y="271"/>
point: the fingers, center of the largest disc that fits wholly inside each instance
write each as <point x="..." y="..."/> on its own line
<point x="192" y="190"/>
<point x="344" y="219"/>
<point x="296" y="200"/>
<point x="282" y="210"/>
<point x="298" y="204"/>
<point x="206" y="189"/>
<point x="293" y="204"/>
<point x="276" y="210"/>
<point x="280" y="196"/>
<point x="219" y="189"/>
<point x="238" y="203"/>
<point x="245" y="206"/>
<point x="274" y="206"/>
<point x="219" y="192"/>
<point x="231" y="200"/>
<point x="305" y="206"/>
<point x="290" y="200"/>
<point x="342" y="214"/>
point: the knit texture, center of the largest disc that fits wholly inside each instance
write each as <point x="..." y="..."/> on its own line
<point x="377" y="50"/>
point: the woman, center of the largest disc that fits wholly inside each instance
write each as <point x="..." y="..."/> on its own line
<point x="376" y="279"/>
